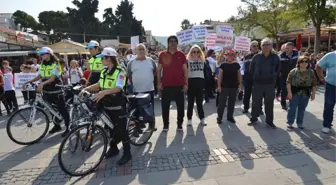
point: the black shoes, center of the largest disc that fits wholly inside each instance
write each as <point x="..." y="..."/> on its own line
<point x="124" y="159"/>
<point x="112" y="152"/>
<point x="66" y="132"/>
<point x="232" y="120"/>
<point x="55" y="129"/>
<point x="272" y="125"/>
<point x="245" y="111"/>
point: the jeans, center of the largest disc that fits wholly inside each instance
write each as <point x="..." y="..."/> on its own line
<point x="170" y="93"/>
<point x="329" y="104"/>
<point x="229" y="94"/>
<point x="298" y="103"/>
<point x="259" y="92"/>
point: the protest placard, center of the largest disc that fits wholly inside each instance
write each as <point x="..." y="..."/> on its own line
<point x="134" y="42"/>
<point x="224" y="40"/>
<point x="185" y="36"/>
<point x="21" y="78"/>
<point x="210" y="40"/>
<point x="224" y="29"/>
<point x="200" y="31"/>
<point x="242" y="43"/>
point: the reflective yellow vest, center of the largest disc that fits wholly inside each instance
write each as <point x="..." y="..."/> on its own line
<point x="46" y="70"/>
<point x="96" y="64"/>
<point x="108" y="81"/>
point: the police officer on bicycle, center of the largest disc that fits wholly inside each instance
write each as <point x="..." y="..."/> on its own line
<point x="95" y="63"/>
<point x="50" y="74"/>
<point x="111" y="99"/>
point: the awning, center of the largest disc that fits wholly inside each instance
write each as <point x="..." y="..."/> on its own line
<point x="15" y="53"/>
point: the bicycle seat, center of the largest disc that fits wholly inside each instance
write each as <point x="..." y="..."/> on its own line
<point x="77" y="89"/>
<point x="139" y="99"/>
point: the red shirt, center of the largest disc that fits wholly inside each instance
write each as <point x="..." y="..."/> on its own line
<point x="86" y="74"/>
<point x="172" y="74"/>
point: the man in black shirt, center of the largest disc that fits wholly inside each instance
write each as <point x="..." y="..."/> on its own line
<point x="264" y="69"/>
<point x="248" y="78"/>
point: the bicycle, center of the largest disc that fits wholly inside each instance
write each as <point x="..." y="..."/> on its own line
<point x="38" y="109"/>
<point x="86" y="140"/>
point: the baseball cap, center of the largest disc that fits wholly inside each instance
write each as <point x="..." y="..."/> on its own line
<point x="107" y="52"/>
<point x="45" y="50"/>
<point x="92" y="44"/>
<point x="231" y="51"/>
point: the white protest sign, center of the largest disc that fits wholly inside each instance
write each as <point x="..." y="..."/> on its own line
<point x="224" y="40"/>
<point x="210" y="40"/>
<point x="220" y="29"/>
<point x="200" y="31"/>
<point x="242" y="43"/>
<point x="185" y="36"/>
<point x="21" y="78"/>
<point x="134" y="42"/>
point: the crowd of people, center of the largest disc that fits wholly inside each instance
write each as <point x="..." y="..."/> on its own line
<point x="262" y="74"/>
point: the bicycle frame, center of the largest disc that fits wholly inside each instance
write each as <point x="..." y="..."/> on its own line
<point x="40" y="100"/>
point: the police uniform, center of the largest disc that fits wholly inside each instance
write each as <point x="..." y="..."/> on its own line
<point x="96" y="66"/>
<point x="115" y="107"/>
<point x="52" y="93"/>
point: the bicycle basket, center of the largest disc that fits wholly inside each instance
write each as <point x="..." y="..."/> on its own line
<point x="147" y="113"/>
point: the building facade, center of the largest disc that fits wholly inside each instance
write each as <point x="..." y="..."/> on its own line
<point x="6" y="21"/>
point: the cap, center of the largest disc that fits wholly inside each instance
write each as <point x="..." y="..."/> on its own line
<point x="92" y="44"/>
<point x="108" y="52"/>
<point x="45" y="50"/>
<point x="231" y="51"/>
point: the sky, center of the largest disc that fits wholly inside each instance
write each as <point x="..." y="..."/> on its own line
<point x="162" y="17"/>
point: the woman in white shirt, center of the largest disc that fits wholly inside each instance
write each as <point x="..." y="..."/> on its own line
<point x="75" y="73"/>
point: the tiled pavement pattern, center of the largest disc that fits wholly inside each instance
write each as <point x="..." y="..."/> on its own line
<point x="156" y="163"/>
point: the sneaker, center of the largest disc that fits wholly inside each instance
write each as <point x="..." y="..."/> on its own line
<point x="232" y="120"/>
<point x="326" y="130"/>
<point x="165" y="129"/>
<point x="189" y="123"/>
<point x="245" y="111"/>
<point x="179" y="128"/>
<point x="203" y="122"/>
<point x="124" y="159"/>
<point x="272" y="125"/>
<point x="290" y="127"/>
<point x="55" y="129"/>
<point x="66" y="132"/>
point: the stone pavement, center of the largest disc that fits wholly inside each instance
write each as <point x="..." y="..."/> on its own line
<point x="212" y="155"/>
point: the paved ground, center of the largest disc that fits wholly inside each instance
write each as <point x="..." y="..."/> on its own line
<point x="231" y="154"/>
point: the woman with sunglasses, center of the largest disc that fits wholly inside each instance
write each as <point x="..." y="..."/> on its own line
<point x="50" y="74"/>
<point x="301" y="85"/>
<point x="196" y="63"/>
<point x="228" y="82"/>
<point x="110" y="86"/>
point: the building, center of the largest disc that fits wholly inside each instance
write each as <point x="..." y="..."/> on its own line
<point x="6" y="21"/>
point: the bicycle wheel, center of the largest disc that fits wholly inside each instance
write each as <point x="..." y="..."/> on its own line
<point x="139" y="131"/>
<point x="41" y="120"/>
<point x="85" y="141"/>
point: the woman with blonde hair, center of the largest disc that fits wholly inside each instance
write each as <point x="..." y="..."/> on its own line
<point x="75" y="73"/>
<point x="196" y="62"/>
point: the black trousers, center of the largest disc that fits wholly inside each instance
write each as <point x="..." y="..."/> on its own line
<point x="170" y="93"/>
<point x="11" y="99"/>
<point x="283" y="82"/>
<point x="119" y="119"/>
<point x="31" y="94"/>
<point x="259" y="92"/>
<point x="59" y="101"/>
<point x="3" y="100"/>
<point x="247" y="95"/>
<point x="195" y="92"/>
<point x="230" y="95"/>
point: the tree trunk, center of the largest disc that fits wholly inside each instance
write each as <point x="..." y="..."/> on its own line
<point x="317" y="40"/>
<point x="329" y="40"/>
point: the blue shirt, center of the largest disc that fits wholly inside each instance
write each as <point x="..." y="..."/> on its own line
<point x="328" y="62"/>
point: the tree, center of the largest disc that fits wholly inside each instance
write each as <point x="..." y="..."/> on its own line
<point x="25" y="20"/>
<point x="126" y="24"/>
<point x="317" y="11"/>
<point x="267" y="14"/>
<point x="185" y="24"/>
<point x="83" y="20"/>
<point x="57" y="21"/>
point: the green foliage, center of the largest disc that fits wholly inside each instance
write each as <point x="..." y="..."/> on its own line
<point x="268" y="15"/>
<point x="185" y="24"/>
<point x="81" y="20"/>
<point x="25" y="20"/>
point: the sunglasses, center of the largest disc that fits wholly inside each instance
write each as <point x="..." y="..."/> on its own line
<point x="266" y="45"/>
<point x="195" y="52"/>
<point x="304" y="61"/>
